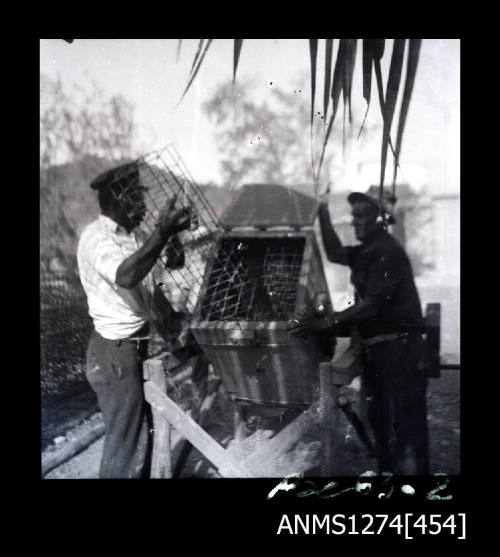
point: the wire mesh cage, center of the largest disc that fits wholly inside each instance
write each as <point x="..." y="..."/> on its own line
<point x="161" y="175"/>
<point x="260" y="285"/>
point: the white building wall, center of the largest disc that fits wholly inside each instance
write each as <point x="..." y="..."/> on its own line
<point x="446" y="210"/>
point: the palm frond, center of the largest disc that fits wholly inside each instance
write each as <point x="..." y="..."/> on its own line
<point x="411" y="70"/>
<point x="350" y="58"/>
<point x="328" y="76"/>
<point x="380" y="87"/>
<point x="179" y="44"/>
<point x="237" y="49"/>
<point x="196" y="56"/>
<point x="341" y="81"/>
<point x="337" y="83"/>
<point x="196" y="69"/>
<point x="338" y="76"/>
<point x="392" y="89"/>
<point x="373" y="49"/>
<point x="313" y="51"/>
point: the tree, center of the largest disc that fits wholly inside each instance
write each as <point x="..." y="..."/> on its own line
<point x="269" y="141"/>
<point x="338" y="79"/>
<point x="82" y="124"/>
<point x="81" y="135"/>
<point x="257" y="142"/>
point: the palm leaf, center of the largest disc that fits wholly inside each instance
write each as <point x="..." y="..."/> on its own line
<point x="373" y="49"/>
<point x="338" y="76"/>
<point x="337" y="82"/>
<point x="237" y="49"/>
<point x="179" y="44"/>
<point x="343" y="131"/>
<point x="196" y="56"/>
<point x="380" y="87"/>
<point x="392" y="89"/>
<point x="367" y="69"/>
<point x="350" y="58"/>
<point x="411" y="70"/>
<point x="322" y="156"/>
<point x="195" y="71"/>
<point x="313" y="51"/>
<point x="328" y="75"/>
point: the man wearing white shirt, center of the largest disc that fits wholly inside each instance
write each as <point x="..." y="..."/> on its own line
<point x="114" y="270"/>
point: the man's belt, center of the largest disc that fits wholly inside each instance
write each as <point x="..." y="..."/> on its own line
<point x="378" y="339"/>
<point x="139" y="336"/>
<point x="134" y="339"/>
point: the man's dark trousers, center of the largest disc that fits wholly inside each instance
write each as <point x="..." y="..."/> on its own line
<point x="395" y="385"/>
<point x="114" y="371"/>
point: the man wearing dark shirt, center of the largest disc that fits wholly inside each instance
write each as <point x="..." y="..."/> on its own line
<point x="388" y="317"/>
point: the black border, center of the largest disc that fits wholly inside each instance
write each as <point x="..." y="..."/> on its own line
<point x="210" y="510"/>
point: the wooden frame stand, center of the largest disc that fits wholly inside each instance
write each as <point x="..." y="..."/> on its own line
<point x="250" y="457"/>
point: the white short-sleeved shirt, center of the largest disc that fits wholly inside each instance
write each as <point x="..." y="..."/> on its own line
<point x="117" y="312"/>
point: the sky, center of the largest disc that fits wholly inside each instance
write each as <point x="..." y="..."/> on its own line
<point x="147" y="73"/>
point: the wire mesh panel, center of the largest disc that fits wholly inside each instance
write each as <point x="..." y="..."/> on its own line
<point x="281" y="275"/>
<point x="163" y="175"/>
<point x="253" y="280"/>
<point x="65" y="328"/>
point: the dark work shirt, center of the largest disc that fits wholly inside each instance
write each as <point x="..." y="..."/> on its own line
<point x="382" y="274"/>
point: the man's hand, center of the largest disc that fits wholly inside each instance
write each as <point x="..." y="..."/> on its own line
<point x="135" y="267"/>
<point x="172" y="220"/>
<point x="308" y="322"/>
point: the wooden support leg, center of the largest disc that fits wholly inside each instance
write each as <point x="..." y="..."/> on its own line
<point x="329" y="416"/>
<point x="161" y="464"/>
<point x="199" y="415"/>
<point x="228" y="466"/>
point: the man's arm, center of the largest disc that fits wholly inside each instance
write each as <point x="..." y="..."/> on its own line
<point x="381" y="286"/>
<point x="358" y="313"/>
<point x="331" y="242"/>
<point x="133" y="269"/>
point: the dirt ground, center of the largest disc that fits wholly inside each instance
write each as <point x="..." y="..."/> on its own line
<point x="65" y="420"/>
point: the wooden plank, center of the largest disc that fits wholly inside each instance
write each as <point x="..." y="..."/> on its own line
<point x="345" y="404"/>
<point x="151" y="368"/>
<point x="227" y="465"/>
<point x="328" y="418"/>
<point x="277" y="445"/>
<point x="164" y="363"/>
<point x="155" y="371"/>
<point x="70" y="449"/>
<point x="346" y="366"/>
<point x="161" y="460"/>
<point x="198" y="415"/>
